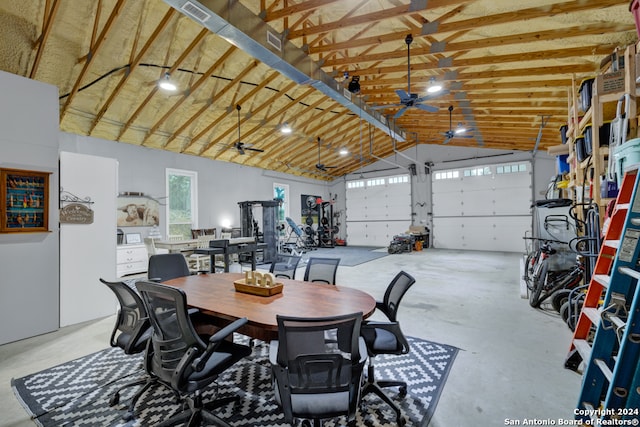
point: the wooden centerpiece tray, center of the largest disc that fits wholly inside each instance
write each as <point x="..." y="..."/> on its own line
<point x="263" y="291"/>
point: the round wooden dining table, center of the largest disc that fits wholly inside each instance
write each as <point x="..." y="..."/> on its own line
<point x="215" y="295"/>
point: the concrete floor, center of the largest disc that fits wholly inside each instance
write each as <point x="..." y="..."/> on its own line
<point x="510" y="364"/>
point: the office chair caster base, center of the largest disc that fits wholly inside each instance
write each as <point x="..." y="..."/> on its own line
<point x="402" y="391"/>
<point x="115" y="399"/>
<point x="128" y="416"/>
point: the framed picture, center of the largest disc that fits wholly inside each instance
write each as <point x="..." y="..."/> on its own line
<point x="132" y="238"/>
<point x="137" y="212"/>
<point x="25" y="195"/>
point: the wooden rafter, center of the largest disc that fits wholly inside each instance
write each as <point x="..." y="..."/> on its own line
<point x="231" y="85"/>
<point x="132" y="66"/>
<point x="233" y="128"/>
<point x="307" y="6"/>
<point x="188" y="93"/>
<point x="94" y="50"/>
<point x="267" y="80"/>
<point x="195" y="42"/>
<point x="49" y="16"/>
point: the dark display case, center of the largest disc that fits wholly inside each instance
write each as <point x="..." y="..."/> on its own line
<point x="26" y="201"/>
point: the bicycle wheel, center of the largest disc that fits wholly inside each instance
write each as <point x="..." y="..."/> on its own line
<point x="529" y="267"/>
<point x="539" y="282"/>
<point x="560" y="297"/>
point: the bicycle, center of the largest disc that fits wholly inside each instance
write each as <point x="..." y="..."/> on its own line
<point x="543" y="283"/>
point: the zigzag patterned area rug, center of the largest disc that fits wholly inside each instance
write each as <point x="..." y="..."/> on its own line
<point x="77" y="393"/>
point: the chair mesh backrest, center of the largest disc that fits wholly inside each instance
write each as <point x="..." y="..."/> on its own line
<point x="315" y="364"/>
<point x="321" y="270"/>
<point x="285" y="265"/>
<point x="173" y="332"/>
<point x="132" y="318"/>
<point x="167" y="266"/>
<point x="394" y="293"/>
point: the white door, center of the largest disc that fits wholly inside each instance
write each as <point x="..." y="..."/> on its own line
<point x="483" y="207"/>
<point x="377" y="210"/>
<point x="88" y="251"/>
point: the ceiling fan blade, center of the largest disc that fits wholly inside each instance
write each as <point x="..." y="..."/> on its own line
<point x="425" y="107"/>
<point x="240" y="149"/>
<point x="446" y="140"/>
<point x="404" y="96"/>
<point x="400" y="112"/>
<point x="259" y="150"/>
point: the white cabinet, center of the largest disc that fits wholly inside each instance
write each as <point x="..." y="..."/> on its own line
<point x="131" y="259"/>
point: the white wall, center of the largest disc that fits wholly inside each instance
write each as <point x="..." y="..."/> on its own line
<point x="448" y="157"/>
<point x="29" y="281"/>
<point x="221" y="185"/>
<point x="88" y="251"/>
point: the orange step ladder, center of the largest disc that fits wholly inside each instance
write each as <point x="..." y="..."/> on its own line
<point x="609" y="361"/>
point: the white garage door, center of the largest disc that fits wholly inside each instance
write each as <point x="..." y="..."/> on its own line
<point x="482" y="208"/>
<point x="377" y="210"/>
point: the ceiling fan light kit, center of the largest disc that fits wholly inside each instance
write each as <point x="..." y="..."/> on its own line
<point x="458" y="132"/>
<point x="408" y="99"/>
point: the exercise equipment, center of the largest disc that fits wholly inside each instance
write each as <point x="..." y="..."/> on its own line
<point x="269" y="234"/>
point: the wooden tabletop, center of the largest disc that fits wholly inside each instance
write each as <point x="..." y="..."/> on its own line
<point x="215" y="294"/>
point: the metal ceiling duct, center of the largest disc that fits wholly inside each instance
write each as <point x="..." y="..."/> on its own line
<point x="240" y="27"/>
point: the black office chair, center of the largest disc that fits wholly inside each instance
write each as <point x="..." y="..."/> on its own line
<point x="132" y="329"/>
<point x="387" y="338"/>
<point x="181" y="359"/>
<point x="285" y="265"/>
<point x="163" y="267"/>
<point x="321" y="270"/>
<point x="316" y="378"/>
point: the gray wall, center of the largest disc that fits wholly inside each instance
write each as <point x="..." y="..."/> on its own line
<point x="29" y="261"/>
<point x="221" y="185"/>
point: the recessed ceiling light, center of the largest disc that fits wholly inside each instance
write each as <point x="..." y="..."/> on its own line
<point x="343" y="151"/>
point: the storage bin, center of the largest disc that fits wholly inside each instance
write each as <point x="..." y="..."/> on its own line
<point x="608" y="189"/>
<point x="603" y="137"/>
<point x="563" y="133"/>
<point x="627" y="156"/>
<point x="561" y="163"/>
<point x="586" y="93"/>
<point x="581" y="149"/>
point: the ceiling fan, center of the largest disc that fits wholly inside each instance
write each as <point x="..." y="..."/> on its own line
<point x="321" y="166"/>
<point x="459" y="132"/>
<point x="408" y="99"/>
<point x="241" y="146"/>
